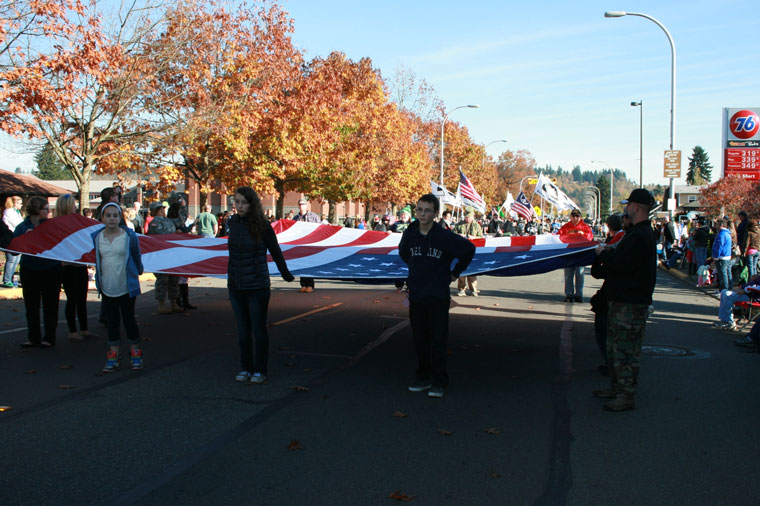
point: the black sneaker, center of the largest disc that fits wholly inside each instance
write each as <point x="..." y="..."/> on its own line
<point x="420" y="386"/>
<point x="568" y="299"/>
<point x="577" y="299"/>
<point x="745" y="341"/>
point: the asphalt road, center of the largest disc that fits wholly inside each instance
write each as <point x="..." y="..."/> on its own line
<point x="335" y="424"/>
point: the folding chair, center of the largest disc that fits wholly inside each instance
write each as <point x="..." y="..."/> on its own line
<point x="749" y="309"/>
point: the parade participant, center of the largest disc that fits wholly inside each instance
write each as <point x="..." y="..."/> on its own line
<point x="307" y="284"/>
<point x="428" y="249"/>
<point x="180" y="223"/>
<point x="251" y="236"/>
<point x="118" y="265"/>
<point x="470" y="229"/>
<point x="75" y="282"/>
<point x="575" y="228"/>
<point x="138" y="221"/>
<point x="12" y="219"/>
<point x="40" y="280"/>
<point x="166" y="288"/>
<point x="630" y="272"/>
<point x="446" y="220"/>
<point x="399" y="227"/>
<point x="599" y="301"/>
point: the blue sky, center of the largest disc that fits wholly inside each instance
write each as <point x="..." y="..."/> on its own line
<point x="555" y="77"/>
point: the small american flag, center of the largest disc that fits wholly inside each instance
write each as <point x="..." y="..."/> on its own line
<point x="469" y="194"/>
<point x="522" y="206"/>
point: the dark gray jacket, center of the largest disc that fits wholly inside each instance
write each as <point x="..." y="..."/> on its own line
<point x="247" y="267"/>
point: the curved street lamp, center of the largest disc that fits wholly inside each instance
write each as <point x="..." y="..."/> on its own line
<point x="484" y="150"/>
<point x="611" y="178"/>
<point x="443" y="123"/>
<point x="640" y="105"/>
<point x="598" y="198"/>
<point x="619" y="14"/>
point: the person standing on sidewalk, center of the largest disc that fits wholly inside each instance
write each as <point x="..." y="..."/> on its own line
<point x="721" y="253"/>
<point x="251" y="236"/>
<point x="12" y="219"/>
<point x="307" y="284"/>
<point x="118" y="265"/>
<point x="630" y="272"/>
<point x="206" y="224"/>
<point x="428" y="249"/>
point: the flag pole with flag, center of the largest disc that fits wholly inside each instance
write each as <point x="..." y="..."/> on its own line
<point x="523" y="207"/>
<point x="469" y="195"/>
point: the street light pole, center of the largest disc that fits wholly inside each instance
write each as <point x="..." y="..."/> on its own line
<point x="598" y="198"/>
<point x="618" y="14"/>
<point x="640" y="105"/>
<point x="611" y="178"/>
<point x="443" y="123"/>
<point x="484" y="151"/>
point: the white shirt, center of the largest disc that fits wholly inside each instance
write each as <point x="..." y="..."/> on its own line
<point x="113" y="264"/>
<point x="12" y="217"/>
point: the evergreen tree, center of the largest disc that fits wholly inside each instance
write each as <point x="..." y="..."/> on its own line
<point x="577" y="176"/>
<point x="700" y="169"/>
<point x="603" y="183"/>
<point x="49" y="167"/>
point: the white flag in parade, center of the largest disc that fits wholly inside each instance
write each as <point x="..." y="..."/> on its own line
<point x="445" y="195"/>
<point x="551" y="193"/>
<point x="506" y="207"/>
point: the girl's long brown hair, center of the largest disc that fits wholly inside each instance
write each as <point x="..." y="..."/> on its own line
<point x="255" y="215"/>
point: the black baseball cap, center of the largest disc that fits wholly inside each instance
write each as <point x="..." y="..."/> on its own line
<point x="640" y="196"/>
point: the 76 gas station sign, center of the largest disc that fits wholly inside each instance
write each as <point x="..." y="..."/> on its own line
<point x="741" y="143"/>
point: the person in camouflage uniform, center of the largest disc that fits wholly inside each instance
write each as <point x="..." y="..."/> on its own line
<point x="165" y="284"/>
<point x="630" y="272"/>
<point x="405" y="219"/>
<point x="469" y="229"/>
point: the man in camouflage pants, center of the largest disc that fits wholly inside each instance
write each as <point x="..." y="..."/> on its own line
<point x="630" y="270"/>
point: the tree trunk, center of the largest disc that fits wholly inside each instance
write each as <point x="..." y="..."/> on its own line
<point x="84" y="194"/>
<point x="331" y="212"/>
<point x="279" y="186"/>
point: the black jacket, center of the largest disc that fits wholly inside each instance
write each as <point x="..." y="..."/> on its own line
<point x="247" y="267"/>
<point x="630" y="267"/>
<point x="429" y="259"/>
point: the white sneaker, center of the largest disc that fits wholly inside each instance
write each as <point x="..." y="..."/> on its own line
<point x="243" y="376"/>
<point x="258" y="377"/>
<point x="462" y="293"/>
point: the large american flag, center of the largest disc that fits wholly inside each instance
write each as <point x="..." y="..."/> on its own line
<point x="522" y="206"/>
<point x="310" y="249"/>
<point x="470" y="196"/>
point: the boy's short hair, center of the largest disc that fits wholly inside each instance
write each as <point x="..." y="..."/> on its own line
<point x="431" y="199"/>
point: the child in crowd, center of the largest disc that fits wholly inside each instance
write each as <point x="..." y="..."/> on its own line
<point x="118" y="265"/>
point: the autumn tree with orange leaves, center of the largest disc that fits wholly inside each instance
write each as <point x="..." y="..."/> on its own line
<point x="730" y="195"/>
<point x="228" y="68"/>
<point x="80" y="87"/>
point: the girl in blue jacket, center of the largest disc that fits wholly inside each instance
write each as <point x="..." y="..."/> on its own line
<point x="118" y="265"/>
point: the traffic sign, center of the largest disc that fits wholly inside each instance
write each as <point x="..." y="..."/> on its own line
<point x="672" y="163"/>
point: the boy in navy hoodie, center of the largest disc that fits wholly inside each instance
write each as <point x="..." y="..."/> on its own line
<point x="429" y="250"/>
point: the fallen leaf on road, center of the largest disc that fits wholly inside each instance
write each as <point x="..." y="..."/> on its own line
<point x="376" y="302"/>
<point x="326" y="297"/>
<point x="31" y="371"/>
<point x="307" y="369"/>
<point x="400" y="496"/>
<point x="477" y="309"/>
<point x="5" y="408"/>
<point x="66" y="366"/>
<point x="66" y="387"/>
<point x="491" y="430"/>
<point x="299" y="388"/>
<point x="294" y="445"/>
<point x="399" y="414"/>
<point x="495" y="475"/>
<point x="495" y="304"/>
<point x="444" y="432"/>
<point x="147" y="338"/>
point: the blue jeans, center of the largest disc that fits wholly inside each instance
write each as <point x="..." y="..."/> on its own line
<point x="752" y="263"/>
<point x="11" y="261"/>
<point x="577" y="273"/>
<point x="727" y="300"/>
<point x="724" y="274"/>
<point x="250" y="308"/>
<point x="700" y="255"/>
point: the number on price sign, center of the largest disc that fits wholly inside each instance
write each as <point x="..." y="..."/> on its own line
<point x="744" y="124"/>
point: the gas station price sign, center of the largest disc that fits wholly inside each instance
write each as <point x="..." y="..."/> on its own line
<point x="741" y="143"/>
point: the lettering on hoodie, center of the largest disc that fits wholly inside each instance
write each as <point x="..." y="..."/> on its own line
<point x="416" y="251"/>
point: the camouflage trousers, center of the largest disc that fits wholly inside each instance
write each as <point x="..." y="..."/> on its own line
<point x="625" y="333"/>
<point x="166" y="285"/>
